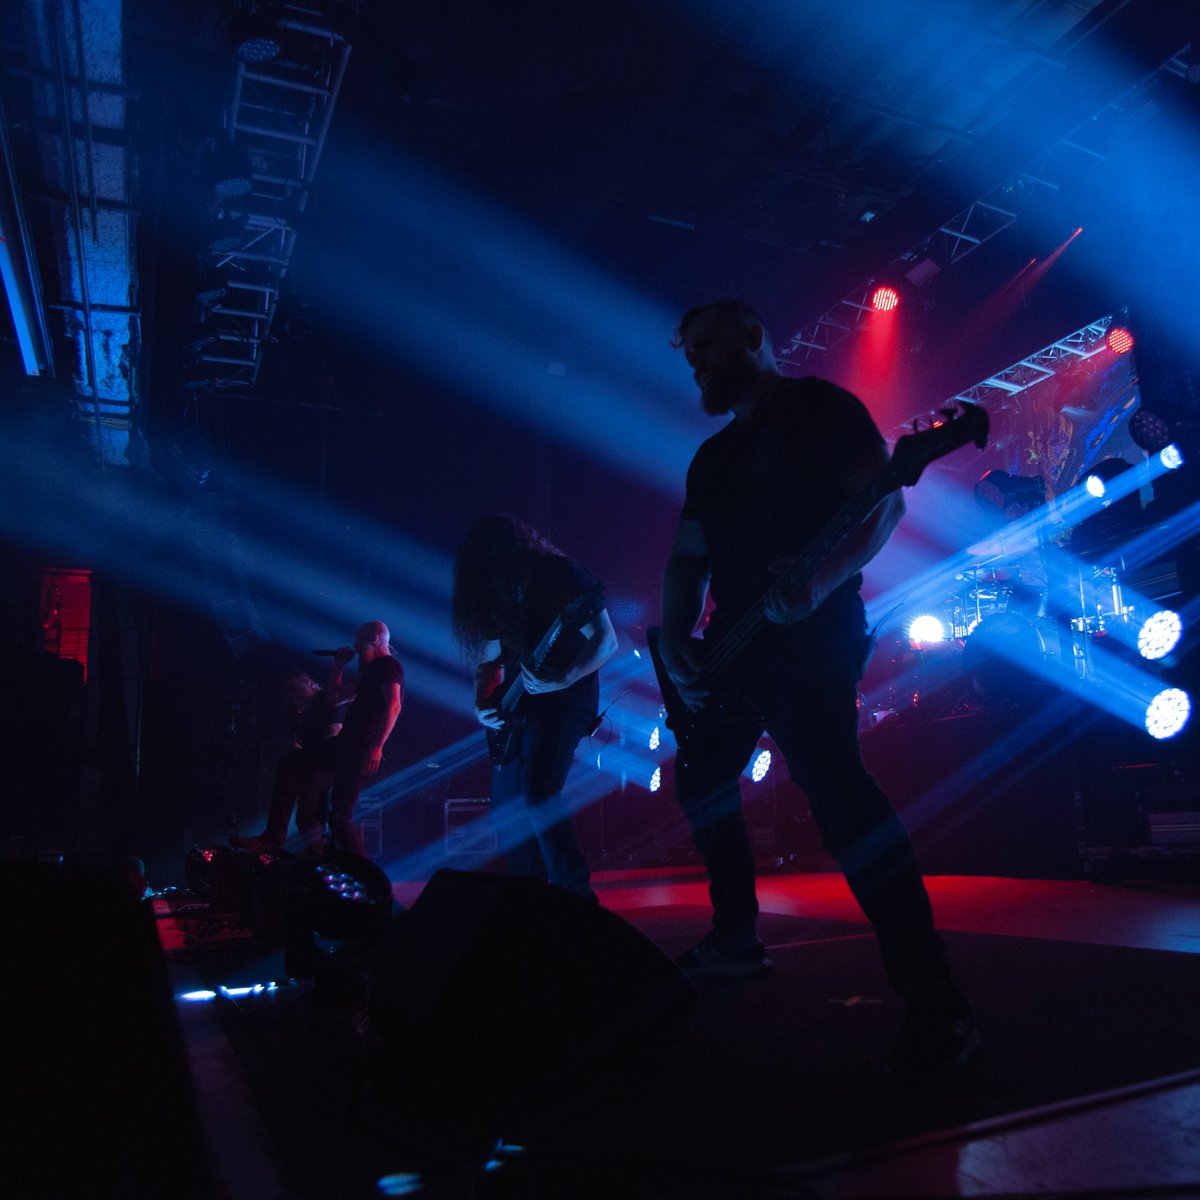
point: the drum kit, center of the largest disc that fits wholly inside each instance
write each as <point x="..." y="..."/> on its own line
<point x="1014" y="632"/>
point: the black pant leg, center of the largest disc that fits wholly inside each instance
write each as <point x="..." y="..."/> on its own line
<point x="708" y="770"/>
<point x="813" y="718"/>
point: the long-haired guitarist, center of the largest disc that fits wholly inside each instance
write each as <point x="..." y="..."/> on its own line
<point x="532" y="623"/>
<point x="784" y="654"/>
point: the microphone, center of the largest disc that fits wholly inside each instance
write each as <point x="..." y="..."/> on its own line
<point x="324" y="653"/>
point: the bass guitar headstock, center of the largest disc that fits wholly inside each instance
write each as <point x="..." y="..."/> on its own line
<point x="955" y="426"/>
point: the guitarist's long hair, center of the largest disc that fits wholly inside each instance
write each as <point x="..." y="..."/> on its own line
<point x="491" y="570"/>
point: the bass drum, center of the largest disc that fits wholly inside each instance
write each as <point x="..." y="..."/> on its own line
<point x="1011" y="658"/>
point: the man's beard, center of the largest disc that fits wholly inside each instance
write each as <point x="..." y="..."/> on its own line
<point x="722" y="392"/>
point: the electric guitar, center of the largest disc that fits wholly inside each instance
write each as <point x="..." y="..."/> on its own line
<point x="504" y="743"/>
<point x="912" y="454"/>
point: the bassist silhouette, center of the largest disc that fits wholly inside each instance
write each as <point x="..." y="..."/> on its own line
<point x="532" y="623"/>
<point x="781" y="476"/>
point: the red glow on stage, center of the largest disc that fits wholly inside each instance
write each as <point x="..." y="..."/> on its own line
<point x="1119" y="340"/>
<point x="884" y="299"/>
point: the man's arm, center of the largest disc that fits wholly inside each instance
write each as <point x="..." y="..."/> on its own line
<point x="336" y="689"/>
<point x="600" y="646"/>
<point x="488" y="675"/>
<point x="684" y="591"/>
<point x="392" y="695"/>
<point x="851" y="556"/>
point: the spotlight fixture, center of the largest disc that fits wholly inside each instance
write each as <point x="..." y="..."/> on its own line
<point x="344" y="897"/>
<point x="213" y="289"/>
<point x="1159" y="634"/>
<point x="925" y="629"/>
<point x="1168" y="713"/>
<point x="1102" y="474"/>
<point x="656" y="779"/>
<point x="1119" y="340"/>
<point x="999" y="489"/>
<point x="1149" y="431"/>
<point x="885" y="298"/>
<point x="655" y="738"/>
<point x="254" y="31"/>
<point x="762" y="764"/>
<point x="1171" y="457"/>
<point x="230" y="173"/>
<point x="225" y="231"/>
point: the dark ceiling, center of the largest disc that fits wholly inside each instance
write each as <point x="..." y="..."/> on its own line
<point x="778" y="150"/>
<point x="515" y="192"/>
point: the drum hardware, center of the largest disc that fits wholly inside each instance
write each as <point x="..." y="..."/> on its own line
<point x="1011" y="658"/>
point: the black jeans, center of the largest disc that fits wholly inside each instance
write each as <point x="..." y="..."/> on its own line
<point x="803" y="681"/>
<point x="344" y="762"/>
<point x="536" y="831"/>
<point x="291" y="771"/>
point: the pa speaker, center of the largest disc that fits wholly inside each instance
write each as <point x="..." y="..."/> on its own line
<point x="101" y="1100"/>
<point x="496" y="987"/>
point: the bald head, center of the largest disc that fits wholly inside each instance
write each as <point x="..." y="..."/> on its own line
<point x="372" y="640"/>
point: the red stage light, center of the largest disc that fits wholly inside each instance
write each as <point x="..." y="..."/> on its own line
<point x="1119" y="340"/>
<point x="884" y="299"/>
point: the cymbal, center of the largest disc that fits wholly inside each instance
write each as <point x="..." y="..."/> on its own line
<point x="973" y="570"/>
<point x="1003" y="547"/>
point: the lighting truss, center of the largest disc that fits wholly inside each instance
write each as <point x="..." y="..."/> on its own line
<point x="833" y="326"/>
<point x="278" y="117"/>
<point x="951" y="242"/>
<point x="968" y="229"/>
<point x="81" y="174"/>
<point x="1044" y="364"/>
<point x="996" y="392"/>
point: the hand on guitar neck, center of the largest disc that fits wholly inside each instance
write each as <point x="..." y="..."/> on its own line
<point x="688" y="669"/>
<point x="499" y="693"/>
<point x="488" y="708"/>
<point x="788" y="602"/>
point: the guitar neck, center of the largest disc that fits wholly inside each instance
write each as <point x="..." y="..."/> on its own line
<point x="911" y="455"/>
<point x="516" y="686"/>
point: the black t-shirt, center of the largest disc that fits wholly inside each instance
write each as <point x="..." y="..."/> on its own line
<point x="366" y="718"/>
<point x="763" y="488"/>
<point x="555" y="581"/>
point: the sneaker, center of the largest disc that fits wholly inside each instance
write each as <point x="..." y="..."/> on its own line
<point x="939" y="1033"/>
<point x="712" y="957"/>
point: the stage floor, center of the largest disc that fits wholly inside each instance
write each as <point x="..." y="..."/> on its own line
<point x="1088" y="1081"/>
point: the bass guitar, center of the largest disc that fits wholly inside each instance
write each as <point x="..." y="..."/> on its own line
<point x="504" y="743"/>
<point x="912" y="454"/>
